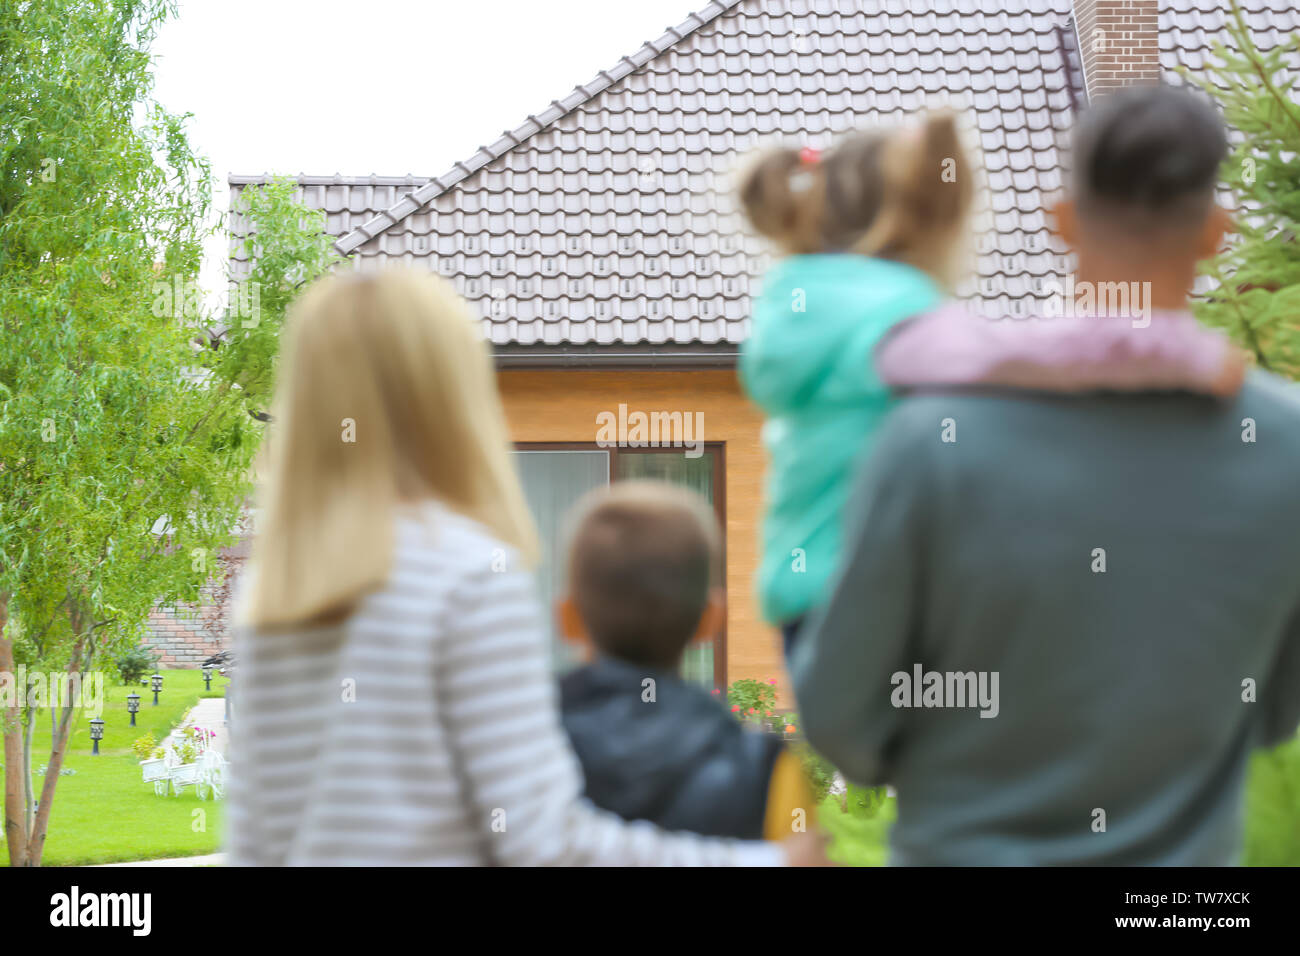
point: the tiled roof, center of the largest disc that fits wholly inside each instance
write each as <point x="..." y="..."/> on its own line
<point x="1190" y="28"/>
<point x="607" y="220"/>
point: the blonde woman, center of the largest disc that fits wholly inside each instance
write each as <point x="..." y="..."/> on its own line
<point x="395" y="700"/>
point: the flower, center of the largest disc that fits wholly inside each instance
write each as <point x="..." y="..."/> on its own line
<point x="772" y="681"/>
<point x="735" y="708"/>
<point x="750" y="711"/>
<point x="789" y="728"/>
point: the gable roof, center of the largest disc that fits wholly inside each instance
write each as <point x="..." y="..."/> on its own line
<point x="604" y="225"/>
<point x="607" y="221"/>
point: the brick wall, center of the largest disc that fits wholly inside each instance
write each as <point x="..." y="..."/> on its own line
<point x="185" y="635"/>
<point x="1119" y="43"/>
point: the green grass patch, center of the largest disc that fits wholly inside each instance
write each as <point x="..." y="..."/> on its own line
<point x="1273" y="807"/>
<point x="105" y="813"/>
<point x="857" y="824"/>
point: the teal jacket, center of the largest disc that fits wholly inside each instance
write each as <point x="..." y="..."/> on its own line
<point x="807" y="365"/>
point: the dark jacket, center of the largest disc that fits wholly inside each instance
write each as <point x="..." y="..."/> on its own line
<point x="680" y="761"/>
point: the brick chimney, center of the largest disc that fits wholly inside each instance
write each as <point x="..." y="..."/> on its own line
<point x="1119" y="43"/>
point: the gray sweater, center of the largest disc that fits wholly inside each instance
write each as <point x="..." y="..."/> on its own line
<point x="1126" y="568"/>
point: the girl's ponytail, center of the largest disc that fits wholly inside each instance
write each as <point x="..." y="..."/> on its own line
<point x="927" y="190"/>
<point x="782" y="195"/>
<point x="903" y="195"/>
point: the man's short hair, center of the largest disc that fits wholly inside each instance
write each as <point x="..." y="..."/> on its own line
<point x="643" y="557"/>
<point x="1147" y="158"/>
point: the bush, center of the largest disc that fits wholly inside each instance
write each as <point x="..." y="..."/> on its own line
<point x="751" y="698"/>
<point x="136" y="664"/>
<point x="146" y="748"/>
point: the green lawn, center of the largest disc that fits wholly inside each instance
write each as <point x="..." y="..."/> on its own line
<point x="104" y="813"/>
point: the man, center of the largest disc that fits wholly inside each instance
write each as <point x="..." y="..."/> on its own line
<point x="1061" y="624"/>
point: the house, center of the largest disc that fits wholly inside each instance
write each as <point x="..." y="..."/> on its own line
<point x="599" y="243"/>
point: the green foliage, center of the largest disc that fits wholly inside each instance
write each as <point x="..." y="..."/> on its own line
<point x="1273" y="807"/>
<point x="135" y="663"/>
<point x="146" y="747"/>
<point x="109" y="421"/>
<point x="858" y="825"/>
<point x="752" y="699"/>
<point x="819" y="771"/>
<point x="127" y="429"/>
<point x="288" y="248"/>
<point x="191" y="743"/>
<point x="1258" y="295"/>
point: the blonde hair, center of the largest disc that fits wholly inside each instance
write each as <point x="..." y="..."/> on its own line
<point x="386" y="396"/>
<point x="904" y="195"/>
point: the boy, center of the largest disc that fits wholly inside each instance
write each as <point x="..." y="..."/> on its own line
<point x="643" y="562"/>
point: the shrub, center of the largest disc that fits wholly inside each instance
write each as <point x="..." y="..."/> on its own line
<point x="137" y="663"/>
<point x="752" y="699"/>
<point x="147" y="748"/>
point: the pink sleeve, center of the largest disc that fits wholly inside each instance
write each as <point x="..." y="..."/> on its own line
<point x="953" y="347"/>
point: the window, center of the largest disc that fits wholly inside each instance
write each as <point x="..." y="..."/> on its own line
<point x="556" y="475"/>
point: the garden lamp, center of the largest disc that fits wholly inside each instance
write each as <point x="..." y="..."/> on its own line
<point x="207" y="677"/>
<point x="96" y="733"/>
<point x="132" y="706"/>
<point x="156" y="683"/>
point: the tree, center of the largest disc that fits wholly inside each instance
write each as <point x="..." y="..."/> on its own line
<point x="1257" y="298"/>
<point x="127" y="428"/>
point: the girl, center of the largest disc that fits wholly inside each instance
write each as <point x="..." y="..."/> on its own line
<point x="396" y="705"/>
<point x="876" y="233"/>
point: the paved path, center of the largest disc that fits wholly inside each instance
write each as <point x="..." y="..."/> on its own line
<point x="210" y="714"/>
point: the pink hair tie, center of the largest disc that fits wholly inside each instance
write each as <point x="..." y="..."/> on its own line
<point x="801" y="177"/>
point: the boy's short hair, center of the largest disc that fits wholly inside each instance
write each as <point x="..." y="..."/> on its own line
<point x="643" y="557"/>
<point x="1147" y="159"/>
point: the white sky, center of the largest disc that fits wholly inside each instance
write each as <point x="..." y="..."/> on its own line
<point x="381" y="86"/>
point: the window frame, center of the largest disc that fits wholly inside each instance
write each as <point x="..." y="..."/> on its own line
<point x="718" y="490"/>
